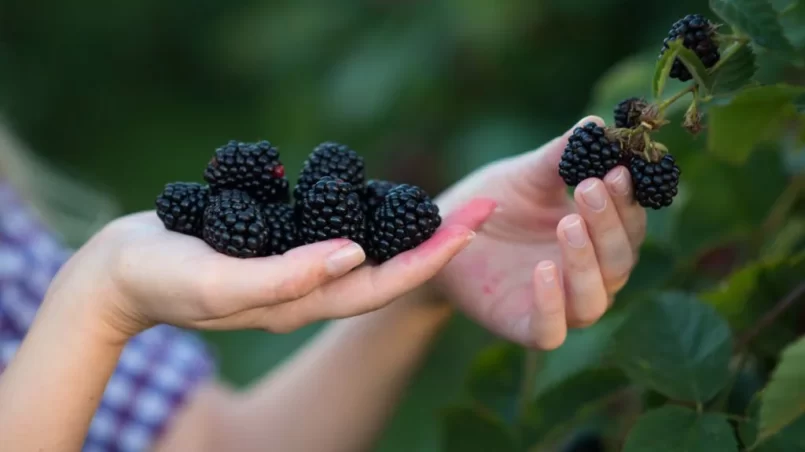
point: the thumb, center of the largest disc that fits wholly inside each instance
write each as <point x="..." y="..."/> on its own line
<point x="542" y="165"/>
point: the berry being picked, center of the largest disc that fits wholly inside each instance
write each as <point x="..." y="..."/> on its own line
<point x="181" y="206"/>
<point x="589" y="153"/>
<point x="698" y="34"/>
<point x="330" y="159"/>
<point x="234" y="225"/>
<point x="252" y="167"/>
<point x="655" y="183"/>
<point x="627" y="113"/>
<point x="330" y="209"/>
<point x="405" y="220"/>
<point x="281" y="229"/>
<point x="375" y="193"/>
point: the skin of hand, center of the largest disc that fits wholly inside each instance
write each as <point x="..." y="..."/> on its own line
<point x="136" y="274"/>
<point x="545" y="261"/>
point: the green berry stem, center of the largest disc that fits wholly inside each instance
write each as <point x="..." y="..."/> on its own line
<point x="739" y="43"/>
<point x="667" y="103"/>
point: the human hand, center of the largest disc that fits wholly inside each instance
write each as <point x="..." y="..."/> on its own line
<point x="544" y="262"/>
<point x="136" y="274"/>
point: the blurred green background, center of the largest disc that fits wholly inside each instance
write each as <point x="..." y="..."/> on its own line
<point x="130" y="95"/>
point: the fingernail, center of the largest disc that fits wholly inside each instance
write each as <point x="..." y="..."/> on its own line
<point x="594" y="196"/>
<point x="345" y="259"/>
<point x="546" y="273"/>
<point x="470" y="236"/>
<point x="574" y="234"/>
<point x="620" y="184"/>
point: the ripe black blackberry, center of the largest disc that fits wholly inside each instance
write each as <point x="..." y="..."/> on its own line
<point x="281" y="229"/>
<point x="234" y="224"/>
<point x="655" y="183"/>
<point x="589" y="153"/>
<point x="406" y="218"/>
<point x="375" y="192"/>
<point x="330" y="209"/>
<point x="330" y="159"/>
<point x="181" y="206"/>
<point x="252" y="167"/>
<point x="627" y="112"/>
<point x="698" y="34"/>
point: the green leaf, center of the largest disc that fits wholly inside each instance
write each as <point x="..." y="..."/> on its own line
<point x="468" y="429"/>
<point x="694" y="65"/>
<point x="757" y="19"/>
<point x="583" y="349"/>
<point x="737" y="126"/>
<point x="675" y="345"/>
<point x="565" y="405"/>
<point x="675" y="428"/>
<point x="793" y="22"/>
<point x="495" y="378"/>
<point x="783" y="400"/>
<point x="789" y="439"/>
<point x="736" y="72"/>
<point x="662" y="69"/>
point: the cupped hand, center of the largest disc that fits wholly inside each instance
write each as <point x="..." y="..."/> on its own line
<point x="138" y="274"/>
<point x="545" y="261"/>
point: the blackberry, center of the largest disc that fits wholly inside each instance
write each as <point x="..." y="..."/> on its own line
<point x="627" y="113"/>
<point x="655" y="183"/>
<point x="406" y="218"/>
<point x="252" y="167"/>
<point x="698" y="35"/>
<point x="330" y="209"/>
<point x="181" y="206"/>
<point x="281" y="228"/>
<point x="375" y="192"/>
<point x="330" y="159"/>
<point x="589" y="153"/>
<point x="234" y="225"/>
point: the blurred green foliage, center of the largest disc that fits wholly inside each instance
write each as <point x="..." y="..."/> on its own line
<point x="131" y="95"/>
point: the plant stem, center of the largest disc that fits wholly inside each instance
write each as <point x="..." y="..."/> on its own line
<point x="783" y="305"/>
<point x="723" y="399"/>
<point x="530" y="369"/>
<point x="729" y="53"/>
<point x="666" y="103"/>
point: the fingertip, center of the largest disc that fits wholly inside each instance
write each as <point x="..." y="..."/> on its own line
<point x="448" y="240"/>
<point x="472" y="214"/>
<point x="618" y="181"/>
<point x="591" y="118"/>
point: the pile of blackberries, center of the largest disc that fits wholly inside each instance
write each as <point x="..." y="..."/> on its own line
<point x="246" y="209"/>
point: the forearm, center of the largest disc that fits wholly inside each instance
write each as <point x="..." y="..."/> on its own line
<point x="52" y="387"/>
<point x="340" y="390"/>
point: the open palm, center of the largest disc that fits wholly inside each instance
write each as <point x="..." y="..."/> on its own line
<point x="544" y="261"/>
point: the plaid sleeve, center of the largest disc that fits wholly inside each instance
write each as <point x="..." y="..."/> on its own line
<point x="158" y="369"/>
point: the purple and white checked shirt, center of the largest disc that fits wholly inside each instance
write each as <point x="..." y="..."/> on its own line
<point x="158" y="369"/>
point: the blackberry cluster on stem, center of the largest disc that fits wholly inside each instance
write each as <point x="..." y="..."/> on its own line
<point x="697" y="34"/>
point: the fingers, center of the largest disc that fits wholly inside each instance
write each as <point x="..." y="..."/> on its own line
<point x="584" y="285"/>
<point x="548" y="323"/>
<point x="609" y="239"/>
<point x="371" y="288"/>
<point x="633" y="217"/>
<point x="232" y="285"/>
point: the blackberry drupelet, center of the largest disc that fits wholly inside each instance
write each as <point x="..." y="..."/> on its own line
<point x="589" y="153"/>
<point x="281" y="229"/>
<point x="698" y="34"/>
<point x="405" y="220"/>
<point x="181" y="206"/>
<point x="330" y="209"/>
<point x="655" y="183"/>
<point x="627" y="113"/>
<point x="375" y="192"/>
<point x="252" y="167"/>
<point x="234" y="224"/>
<point x="330" y="159"/>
